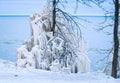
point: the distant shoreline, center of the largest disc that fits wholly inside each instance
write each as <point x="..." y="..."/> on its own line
<point x="72" y="15"/>
<point x="14" y="15"/>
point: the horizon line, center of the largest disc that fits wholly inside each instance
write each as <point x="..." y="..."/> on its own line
<point x="14" y="15"/>
<point x="27" y="15"/>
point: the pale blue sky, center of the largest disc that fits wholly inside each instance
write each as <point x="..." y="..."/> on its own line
<point x="20" y="6"/>
<point x="28" y="7"/>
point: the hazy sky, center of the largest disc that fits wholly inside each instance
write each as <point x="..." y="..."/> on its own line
<point x="28" y="7"/>
<point x="20" y="6"/>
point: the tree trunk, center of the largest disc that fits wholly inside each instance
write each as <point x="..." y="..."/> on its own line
<point x="53" y="16"/>
<point x="116" y="40"/>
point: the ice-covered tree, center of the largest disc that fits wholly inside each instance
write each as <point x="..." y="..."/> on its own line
<point x="55" y="43"/>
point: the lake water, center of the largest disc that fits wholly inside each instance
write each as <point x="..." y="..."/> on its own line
<point x="15" y="29"/>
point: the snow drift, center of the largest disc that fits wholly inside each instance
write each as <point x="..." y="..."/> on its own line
<point x="9" y="73"/>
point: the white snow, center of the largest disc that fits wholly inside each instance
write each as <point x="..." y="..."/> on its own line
<point x="9" y="73"/>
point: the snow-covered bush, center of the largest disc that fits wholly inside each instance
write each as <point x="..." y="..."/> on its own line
<point x="64" y="51"/>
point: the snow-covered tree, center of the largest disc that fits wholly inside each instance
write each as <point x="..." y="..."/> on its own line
<point x="55" y="43"/>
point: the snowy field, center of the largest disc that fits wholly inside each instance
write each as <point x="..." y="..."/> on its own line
<point x="11" y="74"/>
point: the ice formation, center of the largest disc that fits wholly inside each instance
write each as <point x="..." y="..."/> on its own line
<point x="58" y="53"/>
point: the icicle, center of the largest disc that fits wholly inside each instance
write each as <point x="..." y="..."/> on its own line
<point x="22" y="52"/>
<point x="36" y="33"/>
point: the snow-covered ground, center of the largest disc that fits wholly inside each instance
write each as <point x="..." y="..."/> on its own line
<point x="11" y="74"/>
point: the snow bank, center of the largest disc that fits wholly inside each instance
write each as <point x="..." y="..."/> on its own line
<point x="9" y="73"/>
<point x="6" y="65"/>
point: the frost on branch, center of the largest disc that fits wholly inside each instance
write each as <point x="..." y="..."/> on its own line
<point x="62" y="52"/>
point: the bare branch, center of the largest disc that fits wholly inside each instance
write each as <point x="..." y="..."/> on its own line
<point x="103" y="27"/>
<point x="114" y="2"/>
<point x="70" y="20"/>
<point x="108" y="52"/>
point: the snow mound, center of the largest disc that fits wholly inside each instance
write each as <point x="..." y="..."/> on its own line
<point x="5" y="65"/>
<point x="9" y="73"/>
<point x="12" y="74"/>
